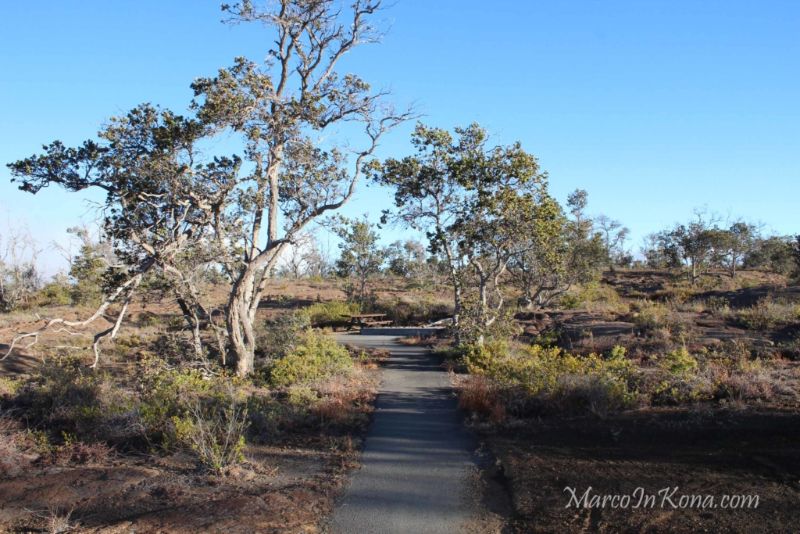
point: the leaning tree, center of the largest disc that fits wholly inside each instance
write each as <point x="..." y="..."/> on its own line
<point x="164" y="200"/>
<point x="158" y="202"/>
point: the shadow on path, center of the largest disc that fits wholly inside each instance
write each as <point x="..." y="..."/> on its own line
<point x="417" y="456"/>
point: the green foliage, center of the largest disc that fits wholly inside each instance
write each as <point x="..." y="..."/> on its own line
<point x="556" y="379"/>
<point x="480" y="358"/>
<point x="679" y="362"/>
<point x="87" y="272"/>
<point x="170" y="396"/>
<point x="773" y="254"/>
<point x="9" y="386"/>
<point x="316" y="357"/>
<point x="651" y="315"/>
<point x="56" y="293"/>
<point x="361" y="257"/>
<point x="279" y="336"/>
<point x="66" y="396"/>
<point x="333" y="313"/>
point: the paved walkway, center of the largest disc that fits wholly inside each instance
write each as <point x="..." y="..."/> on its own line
<point x="417" y="456"/>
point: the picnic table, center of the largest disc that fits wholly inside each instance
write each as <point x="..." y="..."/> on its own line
<point x="367" y="319"/>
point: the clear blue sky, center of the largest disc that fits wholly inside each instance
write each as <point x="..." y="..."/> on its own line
<point x="654" y="107"/>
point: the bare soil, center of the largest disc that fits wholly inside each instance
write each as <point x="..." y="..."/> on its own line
<point x="286" y="488"/>
<point x="713" y="453"/>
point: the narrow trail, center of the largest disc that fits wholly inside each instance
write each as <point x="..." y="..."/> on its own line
<point x="417" y="458"/>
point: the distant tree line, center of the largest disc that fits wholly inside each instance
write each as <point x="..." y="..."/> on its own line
<point x="704" y="244"/>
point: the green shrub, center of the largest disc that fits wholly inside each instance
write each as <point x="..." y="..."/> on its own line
<point x="171" y="395"/>
<point x="766" y="315"/>
<point x="480" y="358"/>
<point x="278" y="337"/>
<point x="9" y="386"/>
<point x="316" y="357"/>
<point x="330" y="313"/>
<point x="557" y="380"/>
<point x="679" y="362"/>
<point x="55" y="293"/>
<point x="649" y="316"/>
<point x="67" y="396"/>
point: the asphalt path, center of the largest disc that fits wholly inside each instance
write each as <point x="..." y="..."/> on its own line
<point x="417" y="457"/>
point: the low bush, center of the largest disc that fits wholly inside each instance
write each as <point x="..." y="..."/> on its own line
<point x="316" y="357"/>
<point x="278" y="337"/>
<point x="554" y="380"/>
<point x="480" y="396"/>
<point x="214" y="432"/>
<point x="595" y="296"/>
<point x="56" y="293"/>
<point x="679" y="362"/>
<point x="766" y="314"/>
<point x="650" y="316"/>
<point x="326" y="314"/>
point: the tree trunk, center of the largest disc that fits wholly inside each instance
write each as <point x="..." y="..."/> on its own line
<point x="457" y="314"/>
<point x="240" y="324"/>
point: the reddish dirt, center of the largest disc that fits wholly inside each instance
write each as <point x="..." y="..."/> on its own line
<point x="700" y="452"/>
<point x="280" y="489"/>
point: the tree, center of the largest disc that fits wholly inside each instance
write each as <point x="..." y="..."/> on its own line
<point x="661" y="251"/>
<point x="406" y="258"/>
<point x="733" y="244"/>
<point x="88" y="266"/>
<point x="773" y="254"/>
<point x="169" y="208"/>
<point x="361" y="257"/>
<point x="473" y="202"/>
<point x="279" y="109"/>
<point x="614" y="235"/>
<point x="158" y="205"/>
<point x="557" y="252"/>
<point x="19" y="278"/>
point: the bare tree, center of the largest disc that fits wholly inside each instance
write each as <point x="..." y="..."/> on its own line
<point x="614" y="235"/>
<point x="19" y="278"/>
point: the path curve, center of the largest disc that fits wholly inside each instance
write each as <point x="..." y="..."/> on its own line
<point x="417" y="457"/>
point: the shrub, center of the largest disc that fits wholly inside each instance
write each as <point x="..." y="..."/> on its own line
<point x="56" y="293"/>
<point x="766" y="315"/>
<point x="480" y="396"/>
<point x="278" y="337"/>
<point x="650" y="316"/>
<point x="316" y="357"/>
<point x="9" y="386"/>
<point x="170" y="396"/>
<point x="481" y="358"/>
<point x="594" y="296"/>
<point x="214" y="432"/>
<point x="66" y="396"/>
<point x="332" y="313"/>
<point x="679" y="362"/>
<point x="557" y="380"/>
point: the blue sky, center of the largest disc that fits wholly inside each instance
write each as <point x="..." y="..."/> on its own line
<point x="655" y="107"/>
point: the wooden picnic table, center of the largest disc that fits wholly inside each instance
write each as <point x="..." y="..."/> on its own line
<point x="367" y="319"/>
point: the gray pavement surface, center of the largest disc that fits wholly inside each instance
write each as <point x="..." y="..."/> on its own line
<point x="417" y="456"/>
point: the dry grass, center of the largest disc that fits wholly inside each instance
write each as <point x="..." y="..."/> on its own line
<point x="478" y="395"/>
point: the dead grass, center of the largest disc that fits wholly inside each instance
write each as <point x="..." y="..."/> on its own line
<point x="478" y="395"/>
